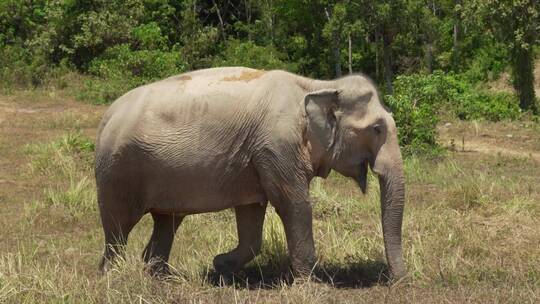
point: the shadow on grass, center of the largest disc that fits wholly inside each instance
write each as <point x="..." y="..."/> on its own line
<point x="362" y="274"/>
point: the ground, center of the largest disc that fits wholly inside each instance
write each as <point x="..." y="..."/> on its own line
<point x="471" y="228"/>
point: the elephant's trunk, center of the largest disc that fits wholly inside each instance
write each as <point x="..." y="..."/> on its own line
<point x="392" y="203"/>
<point x="389" y="167"/>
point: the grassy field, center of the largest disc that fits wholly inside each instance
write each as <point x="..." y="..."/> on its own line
<point x="471" y="227"/>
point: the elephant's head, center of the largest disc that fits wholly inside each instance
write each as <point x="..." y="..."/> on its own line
<point x="353" y="130"/>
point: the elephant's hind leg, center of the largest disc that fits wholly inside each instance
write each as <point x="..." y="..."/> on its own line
<point x="249" y="223"/>
<point x="156" y="253"/>
<point x="116" y="225"/>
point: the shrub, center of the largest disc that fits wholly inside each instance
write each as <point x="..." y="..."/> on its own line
<point x="15" y="67"/>
<point x="249" y="54"/>
<point x="147" y="65"/>
<point x="20" y="68"/>
<point x="487" y="63"/>
<point x="489" y="106"/>
<point x="454" y="95"/>
<point x="419" y="100"/>
<point x="417" y="123"/>
<point x="149" y="36"/>
<point x="120" y="69"/>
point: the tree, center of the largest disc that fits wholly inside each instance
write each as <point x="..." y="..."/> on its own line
<point x="516" y="24"/>
<point x="332" y="30"/>
<point x="196" y="40"/>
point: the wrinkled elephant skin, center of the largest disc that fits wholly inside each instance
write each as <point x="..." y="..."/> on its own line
<point x="219" y="138"/>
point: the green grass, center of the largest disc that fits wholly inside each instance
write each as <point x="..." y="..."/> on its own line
<point x="471" y="234"/>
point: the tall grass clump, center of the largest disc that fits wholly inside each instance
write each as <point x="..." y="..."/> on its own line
<point x="66" y="166"/>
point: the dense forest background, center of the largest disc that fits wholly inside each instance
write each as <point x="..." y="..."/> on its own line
<point x="428" y="56"/>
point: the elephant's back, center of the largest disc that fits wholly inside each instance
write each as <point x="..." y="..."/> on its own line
<point x="201" y="110"/>
<point x="188" y="119"/>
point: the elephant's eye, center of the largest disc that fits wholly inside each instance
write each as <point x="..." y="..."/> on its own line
<point x="377" y="129"/>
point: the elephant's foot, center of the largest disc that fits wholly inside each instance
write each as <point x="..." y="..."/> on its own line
<point x="159" y="269"/>
<point x="109" y="260"/>
<point x="305" y="274"/>
<point x="105" y="266"/>
<point x="227" y="263"/>
<point x="398" y="277"/>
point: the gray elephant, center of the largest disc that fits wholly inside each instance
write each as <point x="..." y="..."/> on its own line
<point x="219" y="138"/>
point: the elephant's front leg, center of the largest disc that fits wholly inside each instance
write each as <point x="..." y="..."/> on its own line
<point x="249" y="223"/>
<point x="288" y="191"/>
<point x="297" y="221"/>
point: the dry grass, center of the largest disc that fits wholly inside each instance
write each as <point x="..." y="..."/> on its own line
<point x="471" y="227"/>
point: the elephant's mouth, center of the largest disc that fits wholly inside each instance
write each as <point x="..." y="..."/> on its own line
<point x="362" y="176"/>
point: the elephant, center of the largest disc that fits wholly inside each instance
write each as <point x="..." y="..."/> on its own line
<point x="236" y="137"/>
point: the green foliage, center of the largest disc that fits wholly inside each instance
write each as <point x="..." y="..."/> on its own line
<point x="432" y="89"/>
<point x="147" y="65"/>
<point x="20" y="69"/>
<point x="420" y="99"/>
<point x="238" y="53"/>
<point x="19" y="20"/>
<point x="487" y="63"/>
<point x="454" y="95"/>
<point x="117" y="45"/>
<point x="120" y="69"/>
<point x="15" y="67"/>
<point x="75" y="143"/>
<point x="196" y="41"/>
<point x="488" y="106"/>
<point x="416" y="124"/>
<point x="515" y="24"/>
<point x="415" y="104"/>
<point x="149" y="36"/>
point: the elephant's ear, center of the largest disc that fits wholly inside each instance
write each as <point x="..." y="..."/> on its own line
<point x="320" y="109"/>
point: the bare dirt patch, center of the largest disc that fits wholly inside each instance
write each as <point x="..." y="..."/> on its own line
<point x="520" y="139"/>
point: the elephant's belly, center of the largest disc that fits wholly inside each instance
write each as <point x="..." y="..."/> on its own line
<point x="185" y="192"/>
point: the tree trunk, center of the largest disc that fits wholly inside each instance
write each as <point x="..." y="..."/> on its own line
<point x="335" y="48"/>
<point x="455" y="46"/>
<point x="523" y="78"/>
<point x="429" y="56"/>
<point x="387" y="63"/>
<point x="337" y="57"/>
<point x="221" y="23"/>
<point x="456" y="36"/>
<point x="350" y="54"/>
<point x="377" y="61"/>
<point x="247" y="4"/>
<point x="272" y="21"/>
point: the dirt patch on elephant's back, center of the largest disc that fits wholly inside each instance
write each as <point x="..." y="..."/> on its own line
<point x="246" y="76"/>
<point x="184" y="77"/>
